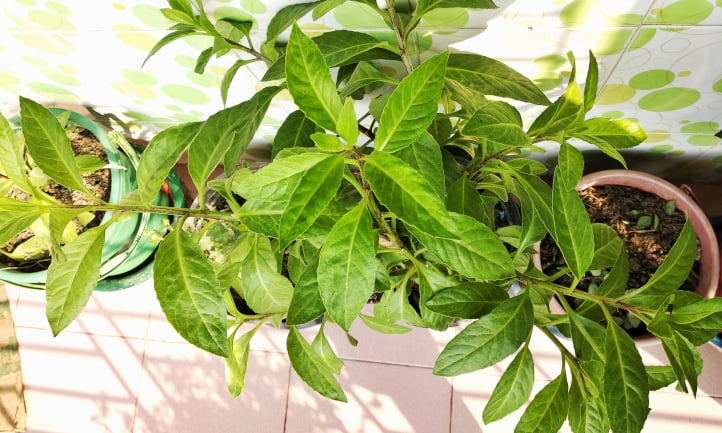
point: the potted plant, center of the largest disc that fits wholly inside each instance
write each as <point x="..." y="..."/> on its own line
<point x="389" y="187"/>
<point x="56" y="162"/>
<point x="648" y="213"/>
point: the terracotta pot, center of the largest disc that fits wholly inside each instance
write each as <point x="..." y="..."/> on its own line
<point x="709" y="261"/>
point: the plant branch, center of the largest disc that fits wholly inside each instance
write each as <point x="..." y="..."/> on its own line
<point x="400" y="35"/>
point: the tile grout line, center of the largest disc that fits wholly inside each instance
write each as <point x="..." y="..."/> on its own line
<point x="140" y="376"/>
<point x="288" y="398"/>
<point x="451" y="405"/>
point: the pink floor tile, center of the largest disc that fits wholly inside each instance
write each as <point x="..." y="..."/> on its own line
<point x="122" y="313"/>
<point x="381" y="398"/>
<point x="78" y="382"/>
<point x="183" y="390"/>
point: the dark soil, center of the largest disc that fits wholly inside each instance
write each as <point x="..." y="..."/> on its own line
<point x="83" y="142"/>
<point x="620" y="208"/>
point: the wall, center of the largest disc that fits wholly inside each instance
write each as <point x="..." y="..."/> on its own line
<point x="658" y="62"/>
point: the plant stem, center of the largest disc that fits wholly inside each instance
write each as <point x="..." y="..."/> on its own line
<point x="165" y="210"/>
<point x="400" y="36"/>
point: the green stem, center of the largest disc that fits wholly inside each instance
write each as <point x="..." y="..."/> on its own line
<point x="400" y="36"/>
<point x="164" y="210"/>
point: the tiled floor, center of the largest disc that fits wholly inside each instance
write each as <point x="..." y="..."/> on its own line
<point x="121" y="368"/>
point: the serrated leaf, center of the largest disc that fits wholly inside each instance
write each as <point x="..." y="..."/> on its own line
<point x="309" y="81"/>
<point x="469" y="300"/>
<point x="548" y="410"/>
<point x="265" y="290"/>
<point x="347" y="266"/>
<point x="189" y="293"/>
<point x="49" y="145"/>
<point x="487" y="76"/>
<point x="489" y="339"/>
<point x="311" y="367"/>
<point x="412" y="106"/>
<point x="70" y="282"/>
<point x="625" y="390"/>
<point x="513" y="389"/>
<point x="159" y="157"/>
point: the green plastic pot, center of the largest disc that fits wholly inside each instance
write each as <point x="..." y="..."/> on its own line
<point x="129" y="243"/>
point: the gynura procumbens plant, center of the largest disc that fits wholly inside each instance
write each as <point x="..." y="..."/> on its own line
<point x="390" y="188"/>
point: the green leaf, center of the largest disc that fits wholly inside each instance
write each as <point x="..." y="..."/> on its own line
<point x="228" y="77"/>
<point x="572" y="228"/>
<point x="680" y="353"/>
<point x="343" y="47"/>
<point x="309" y="81"/>
<point x="548" y="410"/>
<point x="586" y="411"/>
<point x="237" y="362"/>
<point x="488" y="76"/>
<point x="225" y="135"/>
<point x="513" y="389"/>
<point x="425" y="6"/>
<point x="347" y="125"/>
<point x="312" y="368"/>
<point x="49" y="145"/>
<point x="161" y="155"/>
<point x="182" y="31"/>
<point x="565" y="113"/>
<point x="365" y="74"/>
<point x="609" y="135"/>
<point x="488" y="340"/>
<point x="189" y="293"/>
<point x="88" y="163"/>
<point x="265" y="290"/>
<point x="625" y="390"/>
<point x="412" y="106"/>
<point x="461" y="242"/>
<point x="463" y="198"/>
<point x="591" y="84"/>
<point x="672" y="272"/>
<point x="11" y="157"/>
<point x="497" y="122"/>
<point x="285" y="18"/>
<point x="17" y="215"/>
<point x="587" y="337"/>
<point x="347" y="266"/>
<point x="295" y="131"/>
<point x="394" y="306"/>
<point x="469" y="300"/>
<point x="424" y="155"/>
<point x="70" y="282"/>
<point x="660" y="376"/>
<point x="383" y="326"/>
<point x="306" y="303"/>
<point x="295" y="189"/>
<point x="322" y="346"/>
